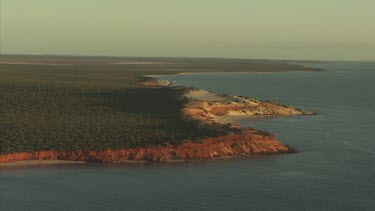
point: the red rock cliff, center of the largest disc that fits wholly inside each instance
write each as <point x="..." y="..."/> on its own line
<point x="245" y="143"/>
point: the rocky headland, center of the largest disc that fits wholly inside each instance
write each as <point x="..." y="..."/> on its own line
<point x="244" y="143"/>
<point x="213" y="108"/>
<point x="207" y="108"/>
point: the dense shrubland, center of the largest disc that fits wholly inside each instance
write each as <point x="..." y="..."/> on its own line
<point x="88" y="107"/>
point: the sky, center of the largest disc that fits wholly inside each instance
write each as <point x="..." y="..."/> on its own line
<point x="267" y="29"/>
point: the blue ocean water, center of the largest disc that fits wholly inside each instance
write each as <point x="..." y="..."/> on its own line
<point x="334" y="170"/>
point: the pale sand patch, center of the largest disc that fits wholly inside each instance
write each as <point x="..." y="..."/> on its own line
<point x="204" y="96"/>
<point x="223" y="109"/>
<point x="233" y="119"/>
<point x="137" y="63"/>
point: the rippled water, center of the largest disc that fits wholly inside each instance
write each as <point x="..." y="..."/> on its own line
<point x="334" y="170"/>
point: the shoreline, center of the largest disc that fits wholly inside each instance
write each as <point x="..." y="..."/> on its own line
<point x="234" y="119"/>
<point x="31" y="163"/>
<point x="246" y="142"/>
<point x="241" y="72"/>
<point x="199" y="72"/>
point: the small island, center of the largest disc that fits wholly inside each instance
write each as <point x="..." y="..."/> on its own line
<point x="102" y="109"/>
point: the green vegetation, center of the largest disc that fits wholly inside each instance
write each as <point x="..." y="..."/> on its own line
<point x="90" y="105"/>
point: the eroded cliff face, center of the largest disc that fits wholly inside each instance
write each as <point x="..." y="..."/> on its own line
<point x="246" y="142"/>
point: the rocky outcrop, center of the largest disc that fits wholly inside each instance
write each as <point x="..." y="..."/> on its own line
<point x="246" y="142"/>
<point x="210" y="108"/>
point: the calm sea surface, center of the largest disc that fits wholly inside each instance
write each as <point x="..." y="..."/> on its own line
<point x="335" y="169"/>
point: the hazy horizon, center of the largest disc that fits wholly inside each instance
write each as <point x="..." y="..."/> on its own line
<point x="285" y="30"/>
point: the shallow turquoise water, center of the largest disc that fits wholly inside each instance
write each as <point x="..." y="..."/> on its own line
<point x="334" y="170"/>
